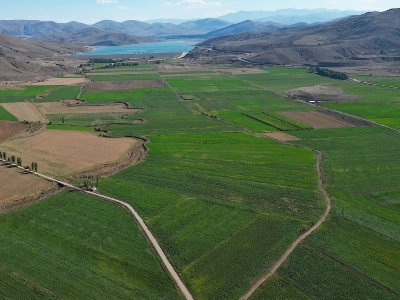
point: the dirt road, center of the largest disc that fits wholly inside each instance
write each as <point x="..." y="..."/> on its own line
<point x="279" y="263"/>
<point x="178" y="282"/>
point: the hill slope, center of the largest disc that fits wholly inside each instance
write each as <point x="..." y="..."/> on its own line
<point x="22" y="60"/>
<point x="372" y="35"/>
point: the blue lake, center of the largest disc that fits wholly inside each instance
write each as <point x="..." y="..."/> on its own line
<point x="160" y="47"/>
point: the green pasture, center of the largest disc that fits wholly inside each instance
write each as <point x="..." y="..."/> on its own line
<point x="69" y="127"/>
<point x="5" y="115"/>
<point x="209" y="197"/>
<point x="62" y="93"/>
<point x="72" y="246"/>
<point x="26" y="93"/>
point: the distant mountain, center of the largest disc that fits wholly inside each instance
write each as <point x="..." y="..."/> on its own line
<point x="172" y="21"/>
<point x="95" y="37"/>
<point x="28" y="28"/>
<point x="246" y="26"/>
<point x="347" y="41"/>
<point x="21" y="59"/>
<point x="203" y="26"/>
<point x="132" y="27"/>
<point x="290" y="16"/>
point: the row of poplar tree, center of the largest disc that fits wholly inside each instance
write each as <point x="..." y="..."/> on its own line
<point x="17" y="160"/>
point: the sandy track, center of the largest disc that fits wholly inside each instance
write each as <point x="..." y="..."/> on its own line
<point x="279" y="263"/>
<point x="24" y="111"/>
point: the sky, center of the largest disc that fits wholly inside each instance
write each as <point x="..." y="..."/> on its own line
<point x="91" y="11"/>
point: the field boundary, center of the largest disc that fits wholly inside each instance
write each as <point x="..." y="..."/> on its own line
<point x="149" y="236"/>
<point x="283" y="258"/>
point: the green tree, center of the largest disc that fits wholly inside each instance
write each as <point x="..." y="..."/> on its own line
<point x="33" y="166"/>
<point x="13" y="159"/>
<point x="1" y="155"/>
<point x="36" y="168"/>
<point x="19" y="161"/>
<point x="4" y="155"/>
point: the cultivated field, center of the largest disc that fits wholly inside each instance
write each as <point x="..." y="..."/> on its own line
<point x="123" y="85"/>
<point x="59" y="153"/>
<point x="54" y="108"/>
<point x="281" y="136"/>
<point x="25" y="111"/>
<point x="223" y="202"/>
<point x="9" y="129"/>
<point x="16" y="185"/>
<point x="317" y="119"/>
<point x="61" y="81"/>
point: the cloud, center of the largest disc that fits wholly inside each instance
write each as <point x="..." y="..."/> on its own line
<point x="193" y="3"/>
<point x="106" y="1"/>
<point x="123" y="7"/>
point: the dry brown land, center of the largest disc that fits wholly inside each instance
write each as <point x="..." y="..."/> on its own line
<point x="237" y="71"/>
<point x="9" y="129"/>
<point x="24" y="111"/>
<point x="316" y="119"/>
<point x="320" y="92"/>
<point x="57" y="108"/>
<point x="183" y="67"/>
<point x="123" y="85"/>
<point x="281" y="136"/>
<point x="15" y="186"/>
<point x="62" y="81"/>
<point x="59" y="152"/>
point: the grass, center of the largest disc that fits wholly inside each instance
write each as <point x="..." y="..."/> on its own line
<point x="68" y="245"/>
<point x="207" y="199"/>
<point x="62" y="93"/>
<point x="29" y="92"/>
<point x="5" y="115"/>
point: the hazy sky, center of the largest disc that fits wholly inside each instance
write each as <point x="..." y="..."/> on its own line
<point x="91" y="11"/>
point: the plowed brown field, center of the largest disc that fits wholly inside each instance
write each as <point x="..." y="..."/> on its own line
<point x="281" y="136"/>
<point x="316" y="119"/>
<point x="15" y="185"/>
<point x="9" y="129"/>
<point x="123" y="85"/>
<point x="24" y="111"/>
<point x="60" y="152"/>
<point x="62" y="81"/>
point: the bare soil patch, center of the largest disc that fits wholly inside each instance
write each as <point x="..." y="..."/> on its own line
<point x="72" y="102"/>
<point x="346" y="118"/>
<point x="8" y="129"/>
<point x="281" y="136"/>
<point x="317" y="119"/>
<point x="57" y="108"/>
<point x="180" y="67"/>
<point x="123" y="85"/>
<point x="59" y="152"/>
<point x="24" y="111"/>
<point x="320" y="92"/>
<point x="238" y="71"/>
<point x="62" y="81"/>
<point x="17" y="186"/>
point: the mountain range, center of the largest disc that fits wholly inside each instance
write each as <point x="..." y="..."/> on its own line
<point x="351" y="40"/>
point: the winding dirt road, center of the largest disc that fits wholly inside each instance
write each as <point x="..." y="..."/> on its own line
<point x="279" y="263"/>
<point x="149" y="236"/>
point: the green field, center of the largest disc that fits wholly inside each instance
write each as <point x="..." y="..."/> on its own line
<point x="68" y="247"/>
<point x="62" y="93"/>
<point x="223" y="203"/>
<point x="26" y="93"/>
<point x="5" y="115"/>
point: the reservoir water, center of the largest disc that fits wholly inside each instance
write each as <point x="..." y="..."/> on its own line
<point x="159" y="47"/>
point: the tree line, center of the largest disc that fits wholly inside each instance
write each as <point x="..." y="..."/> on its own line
<point x="18" y="161"/>
<point x="329" y="73"/>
